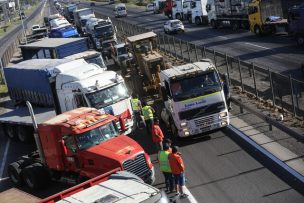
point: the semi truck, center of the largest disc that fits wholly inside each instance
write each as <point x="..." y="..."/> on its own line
<point x="168" y="9"/>
<point x="76" y="146"/>
<point x="53" y="48"/>
<point x="194" y="99"/>
<point x="296" y="23"/>
<point x="59" y="85"/>
<point x="81" y="16"/>
<point x="198" y="13"/>
<point x="180" y="9"/>
<point x="68" y="12"/>
<point x="100" y="32"/>
<point x="232" y="13"/>
<point x="61" y="28"/>
<point x="118" y="186"/>
<point x="90" y="56"/>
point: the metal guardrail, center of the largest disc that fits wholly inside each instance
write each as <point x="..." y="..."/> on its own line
<point x="280" y="90"/>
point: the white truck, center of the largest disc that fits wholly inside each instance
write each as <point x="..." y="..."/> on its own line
<point x="81" y="16"/>
<point x="158" y="6"/>
<point x="90" y="56"/>
<point x="180" y="9"/>
<point x="63" y="85"/>
<point x="100" y="32"/>
<point x="232" y="13"/>
<point x="194" y="99"/>
<point x="198" y="13"/>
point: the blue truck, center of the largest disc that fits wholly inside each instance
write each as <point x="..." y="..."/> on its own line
<point x="296" y="23"/>
<point x="64" y="32"/>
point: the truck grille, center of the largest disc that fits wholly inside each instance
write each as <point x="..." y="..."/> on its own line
<point x="202" y="111"/>
<point x="138" y="166"/>
<point x="206" y="121"/>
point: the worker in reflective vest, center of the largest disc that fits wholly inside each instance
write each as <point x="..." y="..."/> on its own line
<point x="147" y="112"/>
<point x="165" y="167"/>
<point x="136" y="106"/>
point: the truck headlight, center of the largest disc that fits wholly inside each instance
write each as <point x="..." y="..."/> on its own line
<point x="223" y="114"/>
<point x="186" y="133"/>
<point x="184" y="124"/>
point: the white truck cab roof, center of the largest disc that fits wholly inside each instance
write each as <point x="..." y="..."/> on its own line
<point x="120" y="5"/>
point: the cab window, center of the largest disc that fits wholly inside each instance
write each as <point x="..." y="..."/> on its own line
<point x="69" y="142"/>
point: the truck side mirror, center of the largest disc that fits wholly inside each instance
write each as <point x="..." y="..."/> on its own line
<point x="164" y="93"/>
<point x="63" y="147"/>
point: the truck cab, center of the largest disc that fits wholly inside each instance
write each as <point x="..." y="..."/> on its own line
<point x="90" y="56"/>
<point x="198" y="14"/>
<point x="194" y="99"/>
<point x="80" y="144"/>
<point x="120" y="10"/>
<point x="81" y="16"/>
<point x="121" y="54"/>
<point x="68" y="12"/>
<point x="158" y="6"/>
<point x="168" y="8"/>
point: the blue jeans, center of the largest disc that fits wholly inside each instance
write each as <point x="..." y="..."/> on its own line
<point x="179" y="179"/>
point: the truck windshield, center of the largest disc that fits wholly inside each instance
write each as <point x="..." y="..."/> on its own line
<point x="192" y="87"/>
<point x="104" y="31"/>
<point x="85" y="12"/>
<point x="121" y="8"/>
<point x="96" y="136"/>
<point x="108" y="96"/>
<point x="121" y="51"/>
<point x="72" y="8"/>
<point x="97" y="60"/>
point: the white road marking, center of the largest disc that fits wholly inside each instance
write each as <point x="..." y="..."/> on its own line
<point x="256" y="45"/>
<point x="190" y="196"/>
<point x="149" y="19"/>
<point x="223" y="37"/>
<point x="4" y="158"/>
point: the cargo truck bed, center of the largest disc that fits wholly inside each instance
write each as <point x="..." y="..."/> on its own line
<point x="22" y="116"/>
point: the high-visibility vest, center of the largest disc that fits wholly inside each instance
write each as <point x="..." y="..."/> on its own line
<point x="134" y="103"/>
<point x="147" y="112"/>
<point x="164" y="161"/>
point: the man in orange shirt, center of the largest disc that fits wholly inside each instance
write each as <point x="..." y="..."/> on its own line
<point x="178" y="170"/>
<point x="157" y="135"/>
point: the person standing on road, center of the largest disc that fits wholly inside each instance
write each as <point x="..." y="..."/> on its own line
<point x="157" y="135"/>
<point x="178" y="170"/>
<point x="165" y="167"/>
<point x="147" y="112"/>
<point x="136" y="106"/>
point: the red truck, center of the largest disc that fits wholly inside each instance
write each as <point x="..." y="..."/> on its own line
<point x="168" y="8"/>
<point x="78" y="145"/>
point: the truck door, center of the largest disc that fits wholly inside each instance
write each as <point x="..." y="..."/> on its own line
<point x="71" y="159"/>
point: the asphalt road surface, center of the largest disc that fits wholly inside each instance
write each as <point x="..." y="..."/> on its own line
<point x="278" y="53"/>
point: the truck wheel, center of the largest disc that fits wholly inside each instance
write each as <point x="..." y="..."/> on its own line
<point x="25" y="134"/>
<point x="178" y="16"/>
<point x="257" y="30"/>
<point x="235" y="26"/>
<point x="213" y="24"/>
<point x="173" y="129"/>
<point x="198" y="21"/>
<point x="170" y="15"/>
<point x="190" y="19"/>
<point x="14" y="173"/>
<point x="10" y="131"/>
<point x="35" y="176"/>
<point x="300" y="40"/>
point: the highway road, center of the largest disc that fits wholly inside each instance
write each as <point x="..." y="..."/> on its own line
<point x="278" y="53"/>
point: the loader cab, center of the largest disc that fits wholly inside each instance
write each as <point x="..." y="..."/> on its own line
<point x="254" y="16"/>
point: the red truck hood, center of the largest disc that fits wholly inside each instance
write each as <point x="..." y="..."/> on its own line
<point x="118" y="149"/>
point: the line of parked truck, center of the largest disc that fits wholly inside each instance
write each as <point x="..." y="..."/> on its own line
<point x="259" y="16"/>
<point x="82" y="113"/>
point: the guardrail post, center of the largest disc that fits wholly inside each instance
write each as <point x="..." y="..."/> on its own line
<point x="240" y="72"/>
<point x="195" y="49"/>
<point x="214" y="58"/>
<point x="165" y="50"/>
<point x="181" y="48"/>
<point x="188" y="52"/>
<point x="271" y="86"/>
<point x="169" y="47"/>
<point x="204" y="52"/>
<point x="2" y="73"/>
<point x="254" y="81"/>
<point x="241" y="107"/>
<point x="292" y="99"/>
<point x="175" y="54"/>
<point x="227" y="67"/>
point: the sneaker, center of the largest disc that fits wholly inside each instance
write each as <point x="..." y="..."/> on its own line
<point x="177" y="194"/>
<point x="184" y="195"/>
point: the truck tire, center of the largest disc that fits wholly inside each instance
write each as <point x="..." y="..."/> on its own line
<point x="25" y="134"/>
<point x="213" y="24"/>
<point x="235" y="25"/>
<point x="35" y="176"/>
<point x="189" y="19"/>
<point x="14" y="173"/>
<point x="198" y="21"/>
<point x="10" y="131"/>
<point x="178" y="16"/>
<point x="300" y="40"/>
<point x="257" y="30"/>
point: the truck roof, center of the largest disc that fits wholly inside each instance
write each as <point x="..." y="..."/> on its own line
<point x="141" y="36"/>
<point x="119" y="191"/>
<point x="83" y="54"/>
<point x="188" y="68"/>
<point x="117" y="46"/>
<point x="39" y="64"/>
<point x="50" y="42"/>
